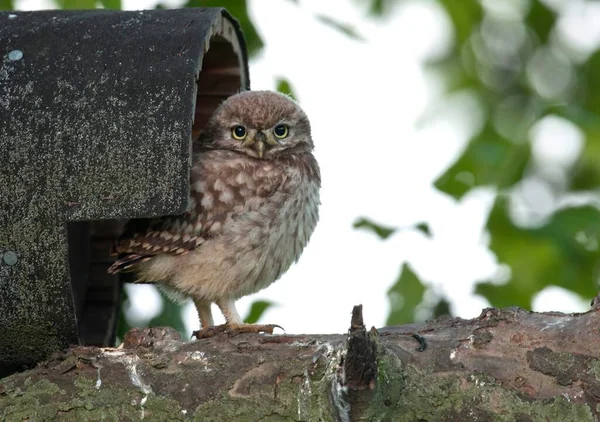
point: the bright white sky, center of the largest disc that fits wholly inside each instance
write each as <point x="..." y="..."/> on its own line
<point x="363" y="100"/>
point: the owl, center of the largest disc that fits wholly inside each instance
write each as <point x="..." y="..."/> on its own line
<point x="253" y="205"/>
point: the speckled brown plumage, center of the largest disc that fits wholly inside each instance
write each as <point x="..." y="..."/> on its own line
<point x="253" y="206"/>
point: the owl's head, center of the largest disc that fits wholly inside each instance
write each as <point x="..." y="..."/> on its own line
<point x="261" y="124"/>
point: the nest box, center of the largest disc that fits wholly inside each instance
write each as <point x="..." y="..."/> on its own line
<point x="98" y="110"/>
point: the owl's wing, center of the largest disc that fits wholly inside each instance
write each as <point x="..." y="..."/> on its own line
<point x="224" y="186"/>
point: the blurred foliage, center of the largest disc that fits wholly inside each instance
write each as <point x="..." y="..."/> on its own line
<point x="405" y="295"/>
<point x="423" y="228"/>
<point x="489" y="159"/>
<point x="513" y="65"/>
<point x="562" y="252"/>
<point x="384" y="232"/>
<point x="170" y="315"/>
<point x="239" y="9"/>
<point x="257" y="310"/>
<point x="344" y="28"/>
<point x="283" y="85"/>
<point x="441" y="308"/>
<point x="379" y="230"/>
<point x="76" y="4"/>
<point x="377" y="8"/>
<point x="464" y="16"/>
<point x="111" y="4"/>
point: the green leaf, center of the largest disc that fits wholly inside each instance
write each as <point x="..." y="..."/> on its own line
<point x="284" y="86"/>
<point x="111" y="4"/>
<point x="239" y="10"/>
<point x="423" y="228"/>
<point x="563" y="252"/>
<point x="405" y="295"/>
<point x="6" y="5"/>
<point x="381" y="231"/>
<point x="488" y="160"/>
<point x="377" y="7"/>
<point x="541" y="20"/>
<point x="441" y="308"/>
<point x="257" y="309"/>
<point x="465" y="16"/>
<point x="170" y="316"/>
<point x="344" y="28"/>
<point x="76" y="4"/>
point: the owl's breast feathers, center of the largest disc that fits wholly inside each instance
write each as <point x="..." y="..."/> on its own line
<point x="231" y="194"/>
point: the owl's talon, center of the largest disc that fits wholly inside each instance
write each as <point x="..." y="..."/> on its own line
<point x="210" y="331"/>
<point x="235" y="329"/>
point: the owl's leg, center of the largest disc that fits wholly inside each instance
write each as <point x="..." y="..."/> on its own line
<point x="233" y="324"/>
<point x="227" y="306"/>
<point x="204" y="313"/>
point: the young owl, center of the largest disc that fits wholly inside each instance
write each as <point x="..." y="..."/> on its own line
<point x="253" y="206"/>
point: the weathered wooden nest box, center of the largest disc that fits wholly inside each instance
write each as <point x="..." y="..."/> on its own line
<point x="98" y="110"/>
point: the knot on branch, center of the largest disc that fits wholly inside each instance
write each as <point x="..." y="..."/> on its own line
<point x="149" y="337"/>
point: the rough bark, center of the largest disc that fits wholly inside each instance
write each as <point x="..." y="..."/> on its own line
<point x="505" y="365"/>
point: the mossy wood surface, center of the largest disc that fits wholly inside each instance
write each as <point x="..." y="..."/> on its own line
<point x="506" y="365"/>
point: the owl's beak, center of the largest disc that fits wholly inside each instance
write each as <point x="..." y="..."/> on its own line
<point x="259" y="143"/>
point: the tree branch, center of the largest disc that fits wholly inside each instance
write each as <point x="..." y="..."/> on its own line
<point x="504" y="365"/>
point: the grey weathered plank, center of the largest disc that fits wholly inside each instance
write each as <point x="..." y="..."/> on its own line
<point x="97" y="112"/>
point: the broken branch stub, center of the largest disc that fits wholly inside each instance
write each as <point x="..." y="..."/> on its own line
<point x="360" y="362"/>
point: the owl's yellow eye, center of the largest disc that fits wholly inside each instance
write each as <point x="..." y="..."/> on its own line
<point x="239" y="132"/>
<point x="280" y="131"/>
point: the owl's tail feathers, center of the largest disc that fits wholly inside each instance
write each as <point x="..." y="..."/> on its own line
<point x="127" y="262"/>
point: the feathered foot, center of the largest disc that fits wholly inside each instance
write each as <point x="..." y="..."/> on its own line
<point x="233" y="329"/>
